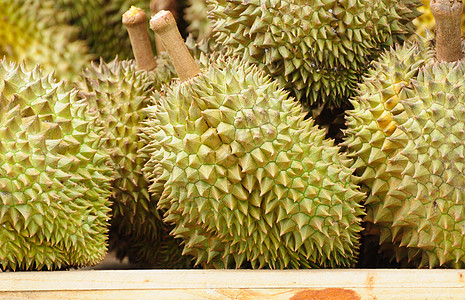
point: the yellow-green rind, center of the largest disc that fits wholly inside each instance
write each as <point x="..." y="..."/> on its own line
<point x="318" y="50"/>
<point x="245" y="179"/>
<point x="54" y="176"/>
<point x="406" y="135"/>
<point x="35" y="32"/>
<point x="100" y="24"/>
<point x="199" y="26"/>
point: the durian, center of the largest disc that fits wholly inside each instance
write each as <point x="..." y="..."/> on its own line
<point x="54" y="176"/>
<point x="406" y="134"/>
<point x="119" y="92"/>
<point x="33" y="31"/>
<point x="244" y="178"/>
<point x="319" y="50"/>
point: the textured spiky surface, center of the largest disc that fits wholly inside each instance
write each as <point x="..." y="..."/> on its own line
<point x="195" y="14"/>
<point x="426" y="20"/>
<point x="100" y="24"/>
<point x="119" y="93"/>
<point x="316" y="49"/>
<point x="245" y="179"/>
<point x="33" y="31"/>
<point x="406" y="134"/>
<point x="54" y="179"/>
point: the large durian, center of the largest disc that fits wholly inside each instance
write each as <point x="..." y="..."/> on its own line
<point x="54" y="176"/>
<point x="33" y="31"/>
<point x="407" y="134"/>
<point x="318" y="50"/>
<point x="244" y="178"/>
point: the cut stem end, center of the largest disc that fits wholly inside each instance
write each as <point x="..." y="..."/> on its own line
<point x="164" y="25"/>
<point x="447" y="15"/>
<point x="135" y="21"/>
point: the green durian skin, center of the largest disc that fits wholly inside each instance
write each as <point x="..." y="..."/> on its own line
<point x="119" y="93"/>
<point x="55" y="179"/>
<point x="35" y="32"/>
<point x="406" y="135"/>
<point x="245" y="179"/>
<point x="199" y="26"/>
<point x="100" y="24"/>
<point x="318" y="50"/>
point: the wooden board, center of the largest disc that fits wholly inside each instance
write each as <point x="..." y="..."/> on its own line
<point x="235" y="284"/>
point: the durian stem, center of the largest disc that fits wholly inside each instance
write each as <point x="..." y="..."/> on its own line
<point x="164" y="25"/>
<point x="159" y="5"/>
<point x="447" y="15"/>
<point x="135" y="21"/>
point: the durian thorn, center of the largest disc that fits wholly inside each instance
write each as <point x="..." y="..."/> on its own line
<point x="158" y="5"/>
<point x="447" y="15"/>
<point x="135" y="22"/>
<point x="164" y="25"/>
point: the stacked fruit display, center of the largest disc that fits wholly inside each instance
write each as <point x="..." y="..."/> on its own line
<point x="208" y="155"/>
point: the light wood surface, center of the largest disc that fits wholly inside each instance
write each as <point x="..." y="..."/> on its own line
<point x="234" y="284"/>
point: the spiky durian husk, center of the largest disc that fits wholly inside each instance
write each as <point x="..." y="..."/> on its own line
<point x="120" y="93"/>
<point x="195" y="14"/>
<point x="245" y="178"/>
<point x="54" y="177"/>
<point x="33" y="31"/>
<point x="160" y="251"/>
<point x="406" y="134"/>
<point x="426" y="20"/>
<point x="100" y="24"/>
<point x="317" y="49"/>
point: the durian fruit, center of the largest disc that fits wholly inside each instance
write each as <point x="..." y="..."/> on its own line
<point x="243" y="177"/>
<point x="119" y="92"/>
<point x="100" y="24"/>
<point x="54" y="176"/>
<point x="406" y="134"/>
<point x="199" y="26"/>
<point x="426" y="20"/>
<point x="33" y="31"/>
<point x="318" y="50"/>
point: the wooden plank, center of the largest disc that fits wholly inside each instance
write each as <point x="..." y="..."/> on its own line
<point x="235" y="284"/>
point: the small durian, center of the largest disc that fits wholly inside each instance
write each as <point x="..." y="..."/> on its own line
<point x="318" y="50"/>
<point x="119" y="92"/>
<point x="244" y="178"/>
<point x="406" y="134"/>
<point x="55" y="179"/>
<point x="34" y="32"/>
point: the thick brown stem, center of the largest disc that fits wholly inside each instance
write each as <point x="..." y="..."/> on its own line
<point x="159" y="5"/>
<point x="448" y="14"/>
<point x="164" y="25"/>
<point x="135" y="22"/>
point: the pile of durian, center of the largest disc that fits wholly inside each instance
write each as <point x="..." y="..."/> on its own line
<point x="263" y="134"/>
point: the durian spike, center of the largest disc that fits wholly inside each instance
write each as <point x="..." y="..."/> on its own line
<point x="447" y="15"/>
<point x="164" y="25"/>
<point x="135" y="22"/>
<point x="159" y="5"/>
